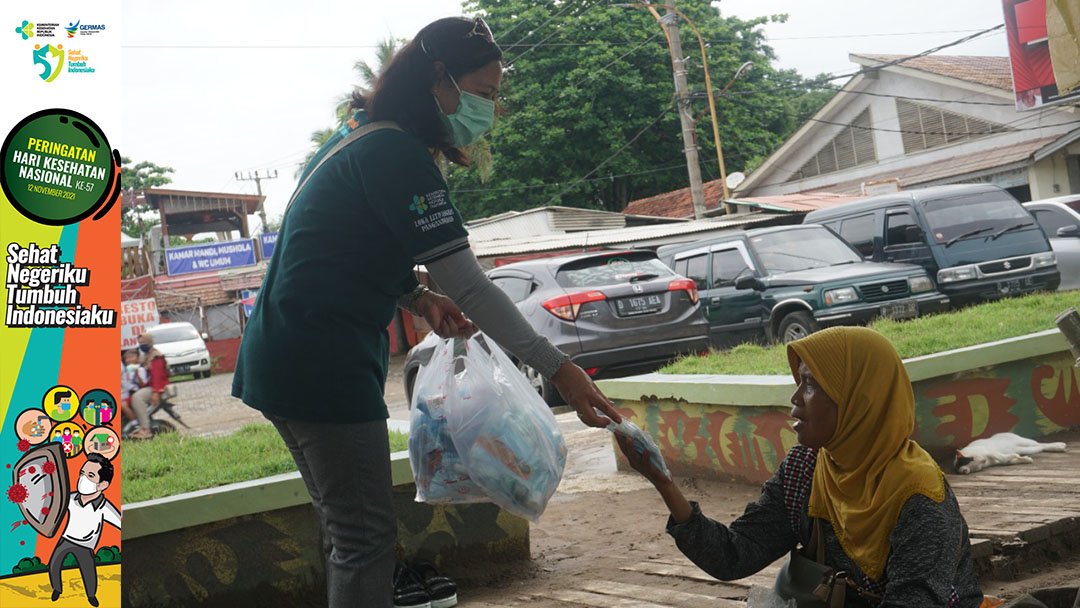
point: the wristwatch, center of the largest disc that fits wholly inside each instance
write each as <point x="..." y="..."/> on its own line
<point x="410" y="299"/>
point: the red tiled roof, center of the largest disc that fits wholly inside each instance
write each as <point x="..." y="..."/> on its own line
<point x="676" y="203"/>
<point x="990" y="71"/>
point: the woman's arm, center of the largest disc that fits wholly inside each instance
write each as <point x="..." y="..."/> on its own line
<point x="460" y="275"/>
<point x="753" y="541"/>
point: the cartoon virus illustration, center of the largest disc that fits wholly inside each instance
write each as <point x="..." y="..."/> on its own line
<point x="23" y="445"/>
<point x="17" y="493"/>
<point x="48" y="468"/>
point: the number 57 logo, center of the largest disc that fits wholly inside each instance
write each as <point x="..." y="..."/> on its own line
<point x="51" y="58"/>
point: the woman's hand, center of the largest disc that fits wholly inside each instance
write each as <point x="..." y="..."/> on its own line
<point x="444" y="316"/>
<point x="639" y="460"/>
<point x="582" y="394"/>
<point x="676" y="502"/>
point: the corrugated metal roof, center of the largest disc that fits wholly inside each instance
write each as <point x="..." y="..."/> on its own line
<point x="677" y="203"/>
<point x="634" y="236"/>
<point x="793" y="203"/>
<point x="548" y="220"/>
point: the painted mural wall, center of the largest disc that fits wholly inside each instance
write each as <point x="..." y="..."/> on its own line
<point x="1032" y="397"/>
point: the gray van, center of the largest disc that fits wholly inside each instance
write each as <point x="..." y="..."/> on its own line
<point x="975" y="240"/>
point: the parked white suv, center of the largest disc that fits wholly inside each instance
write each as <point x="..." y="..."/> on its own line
<point x="184" y="348"/>
<point x="1059" y="218"/>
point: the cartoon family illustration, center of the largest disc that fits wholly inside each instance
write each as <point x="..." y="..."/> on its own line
<point x="77" y="509"/>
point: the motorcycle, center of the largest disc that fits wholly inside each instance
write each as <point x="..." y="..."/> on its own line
<point x="158" y="425"/>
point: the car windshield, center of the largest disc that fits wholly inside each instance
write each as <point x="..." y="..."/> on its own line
<point x="802" y="249"/>
<point x="612" y="270"/>
<point x="174" y="334"/>
<point x="973" y="216"/>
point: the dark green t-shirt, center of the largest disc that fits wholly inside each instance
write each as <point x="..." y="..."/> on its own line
<point x="316" y="348"/>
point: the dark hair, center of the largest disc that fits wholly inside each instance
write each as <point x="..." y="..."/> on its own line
<point x="60" y="395"/>
<point x="403" y="92"/>
<point x="106" y="472"/>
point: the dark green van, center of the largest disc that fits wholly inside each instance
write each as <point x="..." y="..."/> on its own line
<point x="783" y="283"/>
<point x="975" y="240"/>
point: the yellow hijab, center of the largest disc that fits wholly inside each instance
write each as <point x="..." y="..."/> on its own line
<point x="870" y="467"/>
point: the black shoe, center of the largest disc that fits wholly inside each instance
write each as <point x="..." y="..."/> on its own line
<point x="55" y="595"/>
<point x="409" y="590"/>
<point x="93" y="600"/>
<point x="442" y="590"/>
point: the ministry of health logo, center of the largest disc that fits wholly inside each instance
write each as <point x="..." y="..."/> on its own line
<point x="419" y="205"/>
<point x="26" y="30"/>
<point x="51" y="59"/>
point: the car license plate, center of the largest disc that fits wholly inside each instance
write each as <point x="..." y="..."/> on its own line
<point x="900" y="310"/>
<point x="181" y="369"/>
<point x="1015" y="285"/>
<point x="638" y="305"/>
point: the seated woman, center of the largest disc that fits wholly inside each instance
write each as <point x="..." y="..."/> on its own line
<point x="887" y="517"/>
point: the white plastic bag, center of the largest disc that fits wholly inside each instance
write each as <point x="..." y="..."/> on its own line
<point x="642" y="443"/>
<point x="440" y="475"/>
<point x="504" y="432"/>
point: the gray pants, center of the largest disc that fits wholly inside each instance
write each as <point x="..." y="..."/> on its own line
<point x="83" y="556"/>
<point x="346" y="468"/>
<point x="140" y="402"/>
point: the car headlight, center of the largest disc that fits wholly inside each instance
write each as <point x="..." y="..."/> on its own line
<point x="1042" y="260"/>
<point x="920" y="284"/>
<point x="959" y="273"/>
<point x="840" y="296"/>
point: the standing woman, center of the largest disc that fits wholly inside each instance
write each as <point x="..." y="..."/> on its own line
<point x="371" y="206"/>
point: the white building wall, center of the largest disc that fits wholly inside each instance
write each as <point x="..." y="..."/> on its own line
<point x="1047" y="122"/>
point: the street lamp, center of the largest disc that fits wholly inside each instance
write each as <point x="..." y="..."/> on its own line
<point x="708" y="83"/>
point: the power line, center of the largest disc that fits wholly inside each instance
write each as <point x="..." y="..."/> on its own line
<point x="612" y="157"/>
<point x="591" y="179"/>
<point x="534" y="30"/>
<point x="533" y="47"/>
<point x="595" y="73"/>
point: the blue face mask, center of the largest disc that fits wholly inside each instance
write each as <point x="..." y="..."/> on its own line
<point x="474" y="117"/>
<point x="144" y="348"/>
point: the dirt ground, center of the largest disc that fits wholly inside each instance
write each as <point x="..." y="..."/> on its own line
<point x="599" y="530"/>
<point x="602" y="525"/>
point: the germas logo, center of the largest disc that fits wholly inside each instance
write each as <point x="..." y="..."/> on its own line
<point x="72" y="28"/>
<point x="26" y="30"/>
<point x="419" y="205"/>
<point x="51" y="58"/>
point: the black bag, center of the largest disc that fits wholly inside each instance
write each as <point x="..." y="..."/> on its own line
<point x="812" y="583"/>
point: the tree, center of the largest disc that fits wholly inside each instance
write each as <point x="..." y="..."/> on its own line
<point x="368" y="76"/>
<point x="133" y="179"/>
<point x="590" y="118"/>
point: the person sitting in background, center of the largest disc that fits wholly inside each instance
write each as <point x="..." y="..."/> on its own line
<point x="132" y="377"/>
<point x="141" y="400"/>
<point x="886" y="516"/>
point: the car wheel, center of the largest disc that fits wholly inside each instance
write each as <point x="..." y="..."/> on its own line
<point x="796" y="325"/>
<point x="543" y="386"/>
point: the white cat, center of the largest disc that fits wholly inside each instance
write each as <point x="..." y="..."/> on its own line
<point x="1000" y="449"/>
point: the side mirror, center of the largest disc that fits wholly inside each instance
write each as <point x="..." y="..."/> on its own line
<point x="749" y="282"/>
<point x="913" y="234"/>
<point x="205" y="336"/>
<point x="1069" y="231"/>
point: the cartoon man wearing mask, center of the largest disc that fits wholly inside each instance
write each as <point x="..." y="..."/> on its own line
<point x="88" y="509"/>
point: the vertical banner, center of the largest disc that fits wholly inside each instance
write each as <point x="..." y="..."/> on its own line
<point x="1043" y="46"/>
<point x="59" y="384"/>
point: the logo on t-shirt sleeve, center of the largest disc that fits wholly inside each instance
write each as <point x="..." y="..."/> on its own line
<point x="432" y="209"/>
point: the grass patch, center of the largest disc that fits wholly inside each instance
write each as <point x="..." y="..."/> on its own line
<point x="998" y="320"/>
<point x="172" y="464"/>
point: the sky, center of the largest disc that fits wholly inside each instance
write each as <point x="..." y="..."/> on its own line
<point x="215" y="88"/>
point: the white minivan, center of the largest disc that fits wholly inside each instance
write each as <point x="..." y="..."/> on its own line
<point x="184" y="348"/>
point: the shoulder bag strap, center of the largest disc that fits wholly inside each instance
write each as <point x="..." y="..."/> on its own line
<point x="352" y="137"/>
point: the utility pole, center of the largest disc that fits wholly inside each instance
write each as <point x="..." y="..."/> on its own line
<point x="257" y="178"/>
<point x="670" y="22"/>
